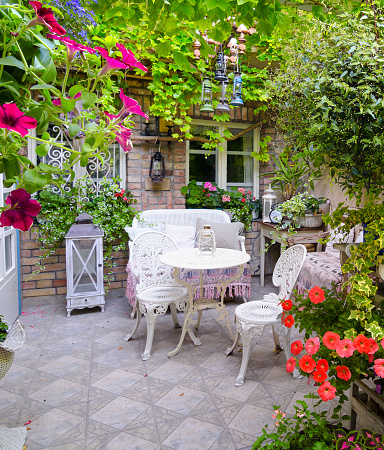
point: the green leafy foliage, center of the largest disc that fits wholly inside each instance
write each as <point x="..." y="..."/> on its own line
<point x="3" y="329"/>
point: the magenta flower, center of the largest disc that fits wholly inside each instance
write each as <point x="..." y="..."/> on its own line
<point x="123" y="137"/>
<point x="112" y="63"/>
<point x="129" y="58"/>
<point x="11" y="118"/>
<point x="20" y="210"/>
<point x="45" y="17"/>
<point x="72" y="46"/>
<point x="130" y="106"/>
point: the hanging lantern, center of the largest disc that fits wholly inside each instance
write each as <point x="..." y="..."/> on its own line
<point x="84" y="263"/>
<point x="221" y="67"/>
<point x="223" y="104"/>
<point x="206" y="96"/>
<point x="207" y="241"/>
<point x="157" y="167"/>
<point x="237" y="83"/>
<point x="269" y="200"/>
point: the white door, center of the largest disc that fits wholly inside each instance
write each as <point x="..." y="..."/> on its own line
<point x="9" y="266"/>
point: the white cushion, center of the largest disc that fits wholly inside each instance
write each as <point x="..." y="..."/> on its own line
<point x="337" y="237"/>
<point x="226" y="234"/>
<point x="184" y="237"/>
<point x="134" y="232"/>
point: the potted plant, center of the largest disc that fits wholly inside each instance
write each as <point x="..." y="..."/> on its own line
<point x="3" y="329"/>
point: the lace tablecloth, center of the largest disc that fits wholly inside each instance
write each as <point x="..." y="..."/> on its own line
<point x="241" y="287"/>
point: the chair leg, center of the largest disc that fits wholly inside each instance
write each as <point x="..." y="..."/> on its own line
<point x="136" y="326"/>
<point x="150" y="316"/>
<point x="244" y="361"/>
<point x="277" y="341"/>
<point x="199" y="314"/>
<point x="236" y="340"/>
<point x="133" y="313"/>
<point x="173" y="309"/>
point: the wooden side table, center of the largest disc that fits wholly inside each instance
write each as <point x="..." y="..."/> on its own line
<point x="265" y="233"/>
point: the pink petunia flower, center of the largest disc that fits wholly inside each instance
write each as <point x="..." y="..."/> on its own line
<point x="72" y="46"/>
<point x="20" y="210"/>
<point x="11" y="118"/>
<point x="345" y="348"/>
<point x="312" y="345"/>
<point x="362" y="344"/>
<point x="343" y="372"/>
<point x="45" y="17"/>
<point x="331" y="339"/>
<point x="291" y="364"/>
<point x="307" y="364"/>
<point x="382" y="343"/>
<point x="327" y="391"/>
<point x="374" y="346"/>
<point x="123" y="137"/>
<point x="114" y="63"/>
<point x="129" y="58"/>
<point x="296" y="347"/>
<point x="379" y="367"/>
<point x="130" y="106"/>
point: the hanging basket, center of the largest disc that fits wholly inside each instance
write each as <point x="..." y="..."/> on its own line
<point x="311" y="221"/>
<point x="14" y="340"/>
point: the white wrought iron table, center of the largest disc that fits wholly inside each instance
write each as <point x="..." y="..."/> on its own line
<point x="190" y="259"/>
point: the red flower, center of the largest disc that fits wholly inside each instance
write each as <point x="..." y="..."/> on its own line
<point x="72" y="46"/>
<point x="11" y="118"/>
<point x="312" y="345"/>
<point x="319" y="376"/>
<point x="330" y="340"/>
<point x="343" y="372"/>
<point x="287" y="305"/>
<point x="345" y="348"/>
<point x="322" y="364"/>
<point x="296" y="347"/>
<point x="243" y="200"/>
<point x="373" y="346"/>
<point x="316" y="295"/>
<point x="291" y="364"/>
<point x="326" y="391"/>
<point x="382" y="343"/>
<point x="20" y="211"/>
<point x="307" y="364"/>
<point x="362" y="344"/>
<point x="379" y="367"/>
<point x="289" y="321"/>
<point x="45" y="17"/>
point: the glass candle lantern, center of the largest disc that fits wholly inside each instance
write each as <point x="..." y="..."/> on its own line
<point x="237" y="99"/>
<point x="207" y="241"/>
<point x="206" y="96"/>
<point x="269" y="199"/>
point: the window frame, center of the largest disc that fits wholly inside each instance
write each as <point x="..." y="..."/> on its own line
<point x="221" y="155"/>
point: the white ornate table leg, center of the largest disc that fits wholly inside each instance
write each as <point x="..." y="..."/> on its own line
<point x="182" y="305"/>
<point x="173" y="309"/>
<point x="138" y="317"/>
<point x="248" y="332"/>
<point x="286" y="333"/>
<point x="188" y="322"/>
<point x="150" y="312"/>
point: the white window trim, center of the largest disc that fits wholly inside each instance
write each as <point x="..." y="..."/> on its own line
<point x="221" y="156"/>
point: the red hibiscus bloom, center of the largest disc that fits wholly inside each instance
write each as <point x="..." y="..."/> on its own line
<point x="322" y="364"/>
<point x="379" y="367"/>
<point x="326" y="391"/>
<point x="45" y="17"/>
<point x="330" y="340"/>
<point x="343" y="372"/>
<point x="291" y="364"/>
<point x="287" y="305"/>
<point x="72" y="46"/>
<point x="307" y="364"/>
<point x="316" y="295"/>
<point x="20" y="211"/>
<point x="362" y="344"/>
<point x="373" y="347"/>
<point x="345" y="348"/>
<point x="296" y="347"/>
<point x="319" y="376"/>
<point x="11" y="118"/>
<point x="129" y="58"/>
<point x="289" y="321"/>
<point x="312" y="345"/>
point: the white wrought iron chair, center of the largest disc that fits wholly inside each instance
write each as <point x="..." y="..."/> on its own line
<point x="252" y="317"/>
<point x="156" y="288"/>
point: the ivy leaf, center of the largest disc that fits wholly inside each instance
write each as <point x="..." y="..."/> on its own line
<point x="12" y="61"/>
<point x="181" y="60"/>
<point x="42" y="150"/>
<point x="34" y="180"/>
<point x="163" y="49"/>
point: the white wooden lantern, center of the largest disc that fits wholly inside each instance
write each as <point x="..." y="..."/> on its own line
<point x="84" y="261"/>
<point x="269" y="199"/>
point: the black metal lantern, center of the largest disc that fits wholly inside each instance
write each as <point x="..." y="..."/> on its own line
<point x="157" y="168"/>
<point x="237" y="83"/>
<point x="223" y="104"/>
<point x="206" y="96"/>
<point x="221" y="68"/>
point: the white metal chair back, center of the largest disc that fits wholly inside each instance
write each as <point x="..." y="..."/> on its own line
<point x="287" y="270"/>
<point x="144" y="257"/>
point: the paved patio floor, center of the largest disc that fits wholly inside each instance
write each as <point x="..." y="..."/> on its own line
<point x="76" y="384"/>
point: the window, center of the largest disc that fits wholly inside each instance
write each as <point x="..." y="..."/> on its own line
<point x="113" y="166"/>
<point x="231" y="165"/>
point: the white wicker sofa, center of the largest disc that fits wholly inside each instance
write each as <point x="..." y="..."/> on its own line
<point x="180" y="225"/>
